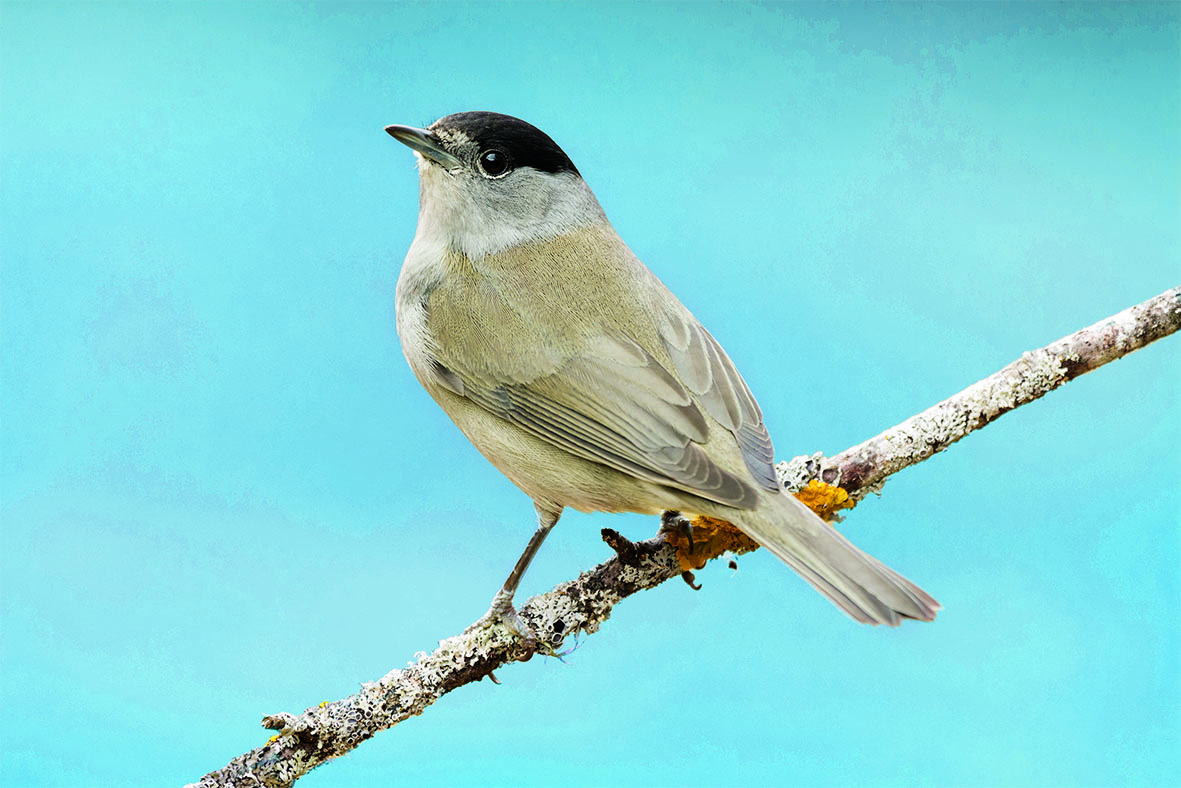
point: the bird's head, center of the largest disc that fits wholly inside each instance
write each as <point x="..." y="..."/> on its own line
<point x="489" y="182"/>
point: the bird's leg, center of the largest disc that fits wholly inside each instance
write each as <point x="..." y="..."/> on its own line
<point x="502" y="608"/>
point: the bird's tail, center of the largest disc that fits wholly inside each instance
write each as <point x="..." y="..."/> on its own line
<point x="857" y="583"/>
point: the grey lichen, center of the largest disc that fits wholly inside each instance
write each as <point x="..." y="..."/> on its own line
<point x="798" y="471"/>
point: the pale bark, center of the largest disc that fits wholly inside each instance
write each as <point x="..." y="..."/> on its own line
<point x="862" y="468"/>
<point x="580" y="606"/>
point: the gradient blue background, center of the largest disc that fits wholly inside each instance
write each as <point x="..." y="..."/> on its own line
<point x="224" y="495"/>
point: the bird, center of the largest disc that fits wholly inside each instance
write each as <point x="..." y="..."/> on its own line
<point x="579" y="375"/>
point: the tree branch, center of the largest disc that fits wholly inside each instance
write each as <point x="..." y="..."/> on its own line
<point x="863" y="468"/>
<point x="332" y="729"/>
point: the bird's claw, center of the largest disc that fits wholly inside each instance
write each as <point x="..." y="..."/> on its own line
<point x="502" y="612"/>
<point x="675" y="522"/>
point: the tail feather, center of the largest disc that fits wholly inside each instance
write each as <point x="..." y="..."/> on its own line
<point x="859" y="584"/>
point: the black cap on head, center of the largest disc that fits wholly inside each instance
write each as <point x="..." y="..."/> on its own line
<point x="526" y="145"/>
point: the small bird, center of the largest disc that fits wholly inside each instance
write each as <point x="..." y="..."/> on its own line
<point x="578" y="374"/>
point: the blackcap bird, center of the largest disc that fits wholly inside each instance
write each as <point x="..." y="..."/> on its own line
<point x="579" y="375"/>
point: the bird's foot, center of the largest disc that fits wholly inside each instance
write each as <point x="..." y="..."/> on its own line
<point x="503" y="613"/>
<point x="673" y="522"/>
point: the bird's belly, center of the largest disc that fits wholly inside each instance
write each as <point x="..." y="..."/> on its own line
<point x="546" y="473"/>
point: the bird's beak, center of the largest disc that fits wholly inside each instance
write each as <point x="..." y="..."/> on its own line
<point x="424" y="142"/>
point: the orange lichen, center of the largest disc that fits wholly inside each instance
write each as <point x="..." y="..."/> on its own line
<point x="824" y="499"/>
<point x="712" y="537"/>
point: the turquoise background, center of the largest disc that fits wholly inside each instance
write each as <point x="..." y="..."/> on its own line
<point x="224" y="495"/>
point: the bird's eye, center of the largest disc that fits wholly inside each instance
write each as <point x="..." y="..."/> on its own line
<point x="494" y="163"/>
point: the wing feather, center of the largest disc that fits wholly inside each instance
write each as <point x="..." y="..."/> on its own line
<point x="616" y="406"/>
<point x="709" y="373"/>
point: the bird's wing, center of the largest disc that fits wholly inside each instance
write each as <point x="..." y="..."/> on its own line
<point x="705" y="369"/>
<point x="615" y="404"/>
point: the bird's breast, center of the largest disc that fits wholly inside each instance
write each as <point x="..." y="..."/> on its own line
<point x="423" y="270"/>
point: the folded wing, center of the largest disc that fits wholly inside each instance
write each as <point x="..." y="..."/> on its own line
<point x="707" y="371"/>
<point x="617" y="405"/>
